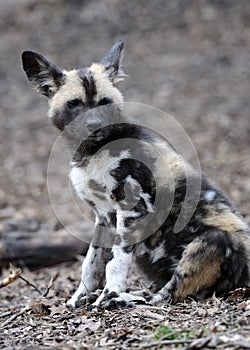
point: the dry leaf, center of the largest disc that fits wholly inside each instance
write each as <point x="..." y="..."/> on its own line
<point x="40" y="306"/>
<point x="88" y="323"/>
<point x="153" y="315"/>
<point x="60" y="309"/>
<point x="239" y="292"/>
<point x="244" y="305"/>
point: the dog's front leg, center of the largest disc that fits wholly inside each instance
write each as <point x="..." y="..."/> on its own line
<point x="93" y="273"/>
<point x="116" y="275"/>
<point x="117" y="269"/>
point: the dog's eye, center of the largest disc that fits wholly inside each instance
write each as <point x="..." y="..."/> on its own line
<point x="105" y="101"/>
<point x="76" y="102"/>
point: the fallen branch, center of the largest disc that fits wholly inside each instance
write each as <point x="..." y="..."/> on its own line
<point x="39" y="249"/>
<point x="13" y="317"/>
<point x="14" y="274"/>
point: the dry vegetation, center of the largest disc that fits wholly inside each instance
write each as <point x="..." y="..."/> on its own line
<point x="37" y="318"/>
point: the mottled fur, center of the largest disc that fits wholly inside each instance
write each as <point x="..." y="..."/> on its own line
<point x="123" y="183"/>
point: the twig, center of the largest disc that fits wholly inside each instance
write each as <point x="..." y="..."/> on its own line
<point x="13" y="317"/>
<point x="31" y="284"/>
<point x="53" y="278"/>
<point x="14" y="274"/>
<point x="166" y="342"/>
<point x="6" y="313"/>
<point x="172" y="334"/>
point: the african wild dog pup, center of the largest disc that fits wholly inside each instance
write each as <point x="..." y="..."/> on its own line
<point x="122" y="180"/>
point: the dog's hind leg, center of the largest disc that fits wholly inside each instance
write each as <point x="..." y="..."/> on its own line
<point x="205" y="267"/>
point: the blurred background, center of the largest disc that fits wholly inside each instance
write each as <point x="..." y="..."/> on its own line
<point x="189" y="58"/>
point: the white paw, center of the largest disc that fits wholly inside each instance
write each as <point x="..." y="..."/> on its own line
<point x="114" y="300"/>
<point x="81" y="299"/>
<point x="133" y="296"/>
<point x="72" y="303"/>
<point x="155" y="299"/>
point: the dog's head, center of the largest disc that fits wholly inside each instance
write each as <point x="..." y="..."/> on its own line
<point x="77" y="93"/>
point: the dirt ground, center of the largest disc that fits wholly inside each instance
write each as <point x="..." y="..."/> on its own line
<point x="188" y="58"/>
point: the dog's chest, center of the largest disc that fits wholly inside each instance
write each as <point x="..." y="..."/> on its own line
<point x="94" y="182"/>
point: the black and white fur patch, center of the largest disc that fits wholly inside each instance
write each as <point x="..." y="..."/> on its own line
<point x="210" y="254"/>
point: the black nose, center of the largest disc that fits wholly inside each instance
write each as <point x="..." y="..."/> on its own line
<point x="93" y="125"/>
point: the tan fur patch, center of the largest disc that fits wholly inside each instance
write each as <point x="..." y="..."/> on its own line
<point x="73" y="89"/>
<point x="70" y="90"/>
<point x="205" y="277"/>
<point x="104" y="86"/>
<point x="226" y="221"/>
<point x="202" y="270"/>
<point x="170" y="166"/>
<point x="155" y="239"/>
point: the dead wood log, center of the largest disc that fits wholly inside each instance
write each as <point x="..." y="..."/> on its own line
<point x="39" y="249"/>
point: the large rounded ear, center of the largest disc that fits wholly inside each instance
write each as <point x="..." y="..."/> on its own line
<point x="44" y="75"/>
<point x="112" y="62"/>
